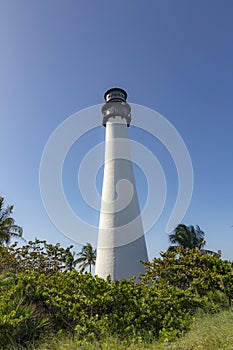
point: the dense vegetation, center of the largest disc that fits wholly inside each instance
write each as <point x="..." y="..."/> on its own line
<point x="207" y="332"/>
<point x="39" y="293"/>
<point x="42" y="293"/>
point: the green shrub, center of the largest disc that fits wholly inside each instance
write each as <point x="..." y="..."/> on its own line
<point x="20" y="321"/>
<point x="192" y="268"/>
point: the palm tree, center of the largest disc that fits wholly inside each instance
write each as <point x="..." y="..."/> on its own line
<point x="187" y="237"/>
<point x="70" y="261"/>
<point x="87" y="257"/>
<point x="8" y="229"/>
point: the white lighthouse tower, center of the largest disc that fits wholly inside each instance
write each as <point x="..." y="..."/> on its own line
<point x="121" y="241"/>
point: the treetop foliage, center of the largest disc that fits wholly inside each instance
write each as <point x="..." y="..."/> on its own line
<point x="188" y="236"/>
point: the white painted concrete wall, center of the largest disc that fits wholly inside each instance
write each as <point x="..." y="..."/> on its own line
<point x="121" y="242"/>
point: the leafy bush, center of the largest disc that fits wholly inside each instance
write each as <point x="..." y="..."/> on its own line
<point x="20" y="321"/>
<point x="193" y="269"/>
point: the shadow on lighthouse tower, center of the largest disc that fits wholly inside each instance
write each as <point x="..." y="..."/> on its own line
<point x="121" y="241"/>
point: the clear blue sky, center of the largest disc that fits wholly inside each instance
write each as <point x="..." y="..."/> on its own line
<point x="176" y="57"/>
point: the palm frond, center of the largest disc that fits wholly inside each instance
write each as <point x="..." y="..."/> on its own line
<point x="188" y="236"/>
<point x="8" y="228"/>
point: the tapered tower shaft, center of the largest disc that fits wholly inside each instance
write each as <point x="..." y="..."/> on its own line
<point x="121" y="242"/>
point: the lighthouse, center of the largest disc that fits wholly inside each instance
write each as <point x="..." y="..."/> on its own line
<point x="121" y="241"/>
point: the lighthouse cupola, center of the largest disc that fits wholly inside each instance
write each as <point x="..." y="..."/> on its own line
<point x="116" y="105"/>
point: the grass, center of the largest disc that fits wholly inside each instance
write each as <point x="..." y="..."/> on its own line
<point x="208" y="332"/>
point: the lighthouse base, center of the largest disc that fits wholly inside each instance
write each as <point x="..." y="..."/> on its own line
<point x="122" y="262"/>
